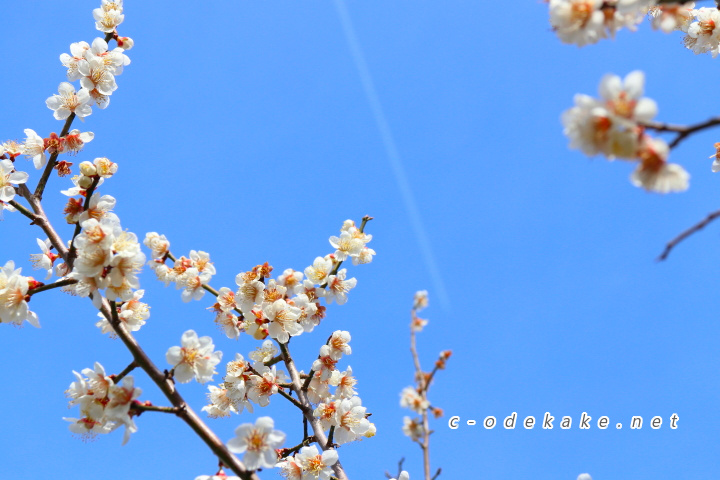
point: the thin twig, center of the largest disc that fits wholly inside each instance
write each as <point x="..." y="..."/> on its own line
<point x="683" y="131"/>
<point x="23" y="210"/>
<point x="698" y="226"/>
<point x="50" y="286"/>
<point x="139" y="407"/>
<point x="121" y="375"/>
<point x="308" y="412"/>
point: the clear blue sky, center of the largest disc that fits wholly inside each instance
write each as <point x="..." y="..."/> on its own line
<point x="243" y="129"/>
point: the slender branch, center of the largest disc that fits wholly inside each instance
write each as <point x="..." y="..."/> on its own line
<point x="286" y="452"/>
<point x="86" y="205"/>
<point x="318" y="430"/>
<point x="330" y="437"/>
<point x="50" y="286"/>
<point x="423" y="385"/>
<point x="51" y="162"/>
<point x="167" y="386"/>
<point x="23" y="210"/>
<point x="139" y="407"/>
<point x="292" y="400"/>
<point x="683" y="131"/>
<point x="437" y="474"/>
<point x="42" y="221"/>
<point x="128" y="369"/>
<point x="697" y="227"/>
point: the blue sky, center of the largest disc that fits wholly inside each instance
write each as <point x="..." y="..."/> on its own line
<point x="243" y="129"/>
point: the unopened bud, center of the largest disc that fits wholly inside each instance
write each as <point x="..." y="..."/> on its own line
<point x="126" y="43"/>
<point x="84" y="182"/>
<point x="88" y="169"/>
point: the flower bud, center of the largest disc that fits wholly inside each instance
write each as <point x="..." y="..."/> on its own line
<point x="88" y="169"/>
<point x="126" y="43"/>
<point x="84" y="182"/>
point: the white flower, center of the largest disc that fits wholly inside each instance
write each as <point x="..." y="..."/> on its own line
<point x="258" y="442"/>
<point x="413" y="428"/>
<point x="263" y="386"/>
<point x="9" y="176"/>
<point x="339" y="344"/>
<point x="120" y="397"/>
<point x="654" y="172"/>
<point x="75" y="140"/>
<point x="338" y="287"/>
<point x="316" y="465"/>
<point x="107" y="19"/>
<point x="584" y="476"/>
<point x="351" y="421"/>
<point x="410" y="398"/>
<point x="43" y="260"/>
<point x="34" y="147"/>
<point x="672" y="17"/>
<point x="192" y="284"/>
<point x="365" y="256"/>
<point x="623" y="98"/>
<point x="77" y="56"/>
<point x="283" y="321"/>
<point x="97" y="77"/>
<point x="703" y="36"/>
<point x="159" y="244"/>
<point x="195" y="358"/>
<point x="319" y="270"/>
<point x="421" y="300"/>
<point x="68" y="102"/>
<point x="346" y="245"/>
<point x="406" y="476"/>
<point x="580" y="22"/>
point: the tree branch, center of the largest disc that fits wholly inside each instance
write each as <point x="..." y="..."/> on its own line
<point x="697" y="227"/>
<point x="683" y="131"/>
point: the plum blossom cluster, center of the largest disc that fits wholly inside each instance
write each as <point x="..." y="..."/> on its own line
<point x="14" y="296"/>
<point x="246" y="383"/>
<point x="189" y="274"/>
<point x="582" y="22"/>
<point x="107" y="258"/>
<point x="262" y="306"/>
<point x="196" y="358"/>
<point x="615" y="126"/>
<point x="104" y="404"/>
<point x="415" y="397"/>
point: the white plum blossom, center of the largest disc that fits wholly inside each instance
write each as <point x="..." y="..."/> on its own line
<point x="45" y="259"/>
<point x="72" y="60"/>
<point x="338" y="287"/>
<point x="410" y="398"/>
<point x="196" y="358"/>
<point x="68" y="101"/>
<point x="351" y="421"/>
<point x="258" y="443"/>
<point x="316" y="465"/>
<point x="317" y="273"/>
<point x="13" y="292"/>
<point x="106" y="19"/>
<point x="584" y="476"/>
<point x="413" y="428"/>
<point x="75" y="140"/>
<point x="579" y="22"/>
<point x="703" y="36"/>
<point x="158" y="244"/>
<point x="34" y="148"/>
<point x="421" y="300"/>
<point x="283" y="321"/>
<point x="346" y="245"/>
<point x="8" y="177"/>
<point x="406" y="476"/>
<point x="672" y="17"/>
<point x="654" y="172"/>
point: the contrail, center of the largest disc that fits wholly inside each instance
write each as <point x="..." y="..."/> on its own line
<point x="392" y="153"/>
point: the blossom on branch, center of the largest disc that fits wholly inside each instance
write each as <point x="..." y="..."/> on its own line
<point x="258" y="442"/>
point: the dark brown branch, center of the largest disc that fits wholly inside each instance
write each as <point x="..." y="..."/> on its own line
<point x="50" y="286"/>
<point x="683" y="131"/>
<point x="698" y="226"/>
